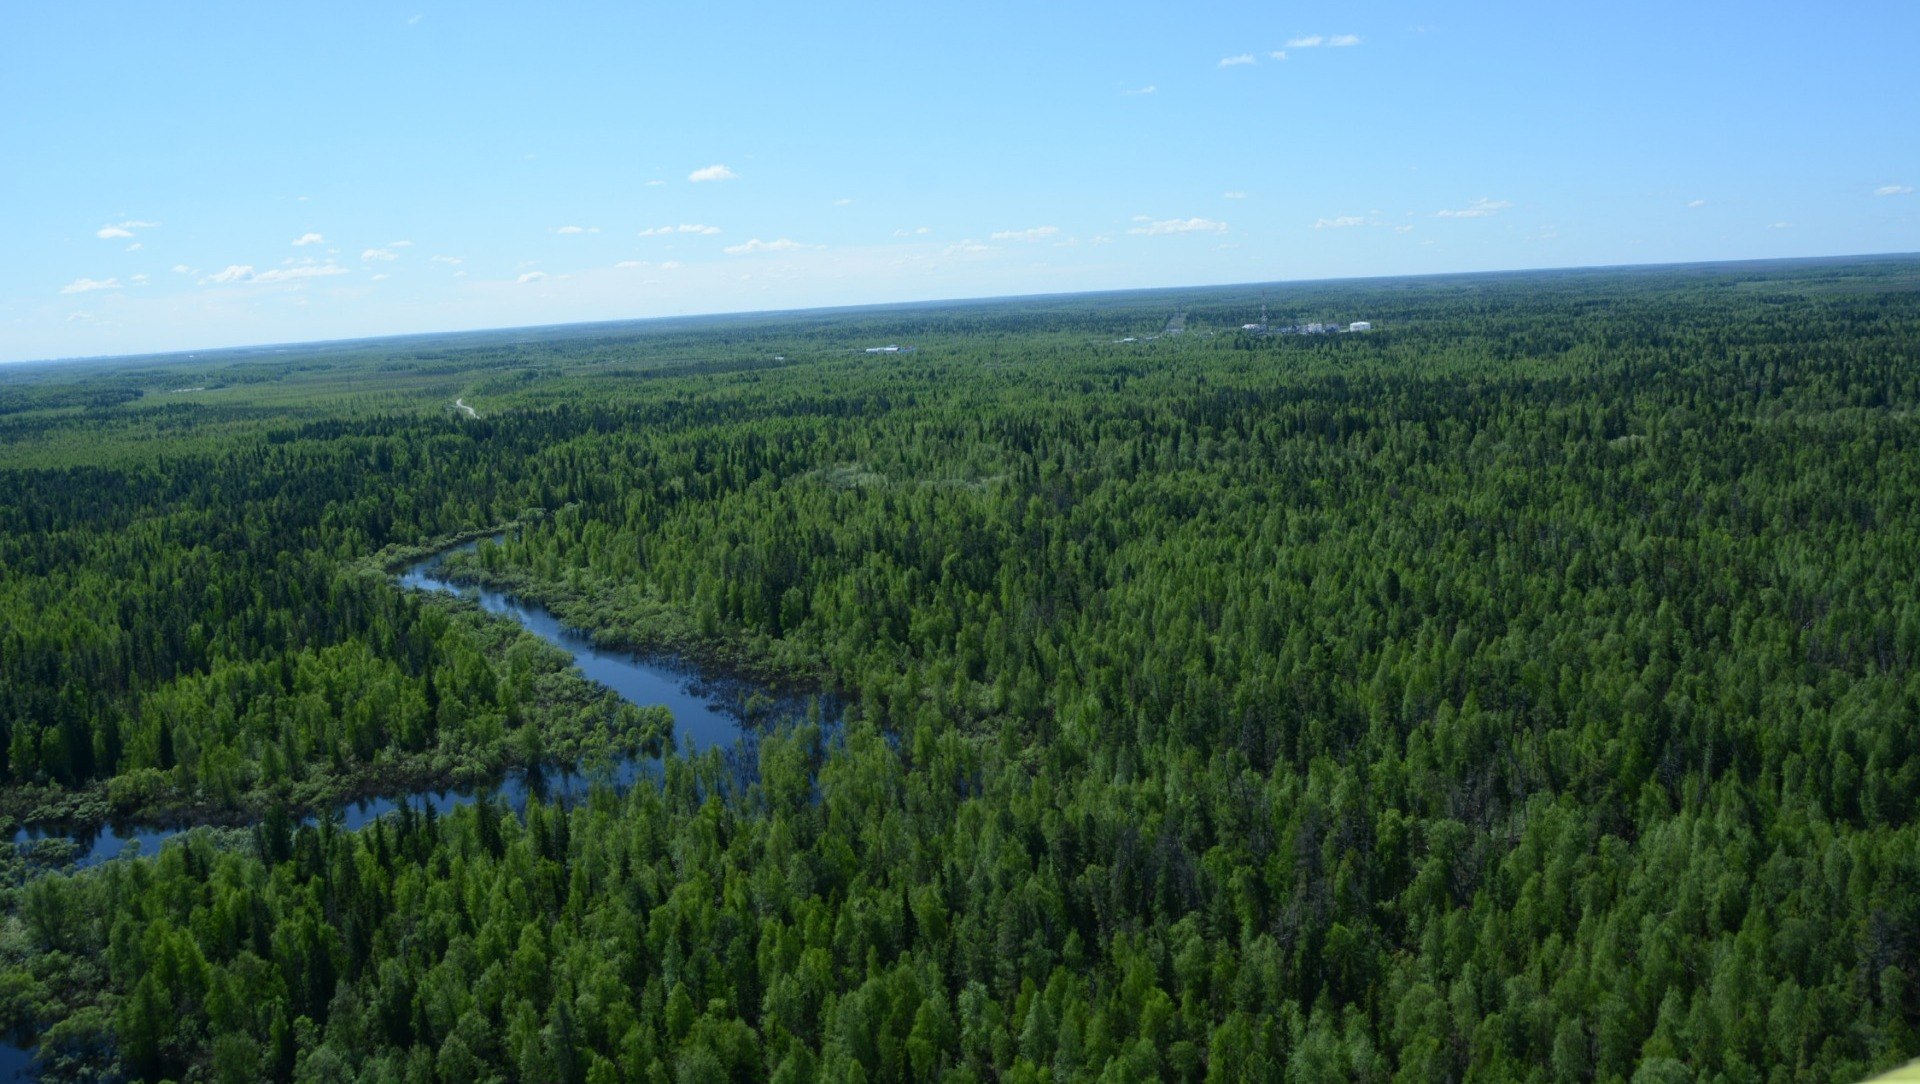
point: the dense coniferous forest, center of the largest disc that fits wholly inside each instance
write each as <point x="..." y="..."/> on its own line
<point x="1523" y="690"/>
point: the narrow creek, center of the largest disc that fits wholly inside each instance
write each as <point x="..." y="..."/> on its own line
<point x="709" y="710"/>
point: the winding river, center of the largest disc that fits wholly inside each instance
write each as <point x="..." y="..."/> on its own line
<point x="708" y="711"/>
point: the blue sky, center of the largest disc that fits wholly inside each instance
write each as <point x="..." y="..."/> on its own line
<point x="187" y="176"/>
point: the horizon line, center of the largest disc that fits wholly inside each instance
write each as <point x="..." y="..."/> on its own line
<point x="161" y="356"/>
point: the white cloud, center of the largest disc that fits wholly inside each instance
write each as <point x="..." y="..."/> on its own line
<point x="1233" y="195"/>
<point x="1236" y="61"/>
<point x="1403" y="229"/>
<point x="1278" y="54"/>
<point x="571" y="229"/>
<point x="415" y="21"/>
<point x="379" y="254"/>
<point x="84" y="285"/>
<point x="626" y="264"/>
<point x="1480" y="208"/>
<point x="380" y="277"/>
<point x="242" y="274"/>
<point x="139" y="279"/>
<point x="684" y="227"/>
<point x="670" y="265"/>
<point x="1894" y="190"/>
<point x="1148" y="89"/>
<point x="655" y="183"/>
<point x="967" y="246"/>
<point x="135" y="247"/>
<point x="715" y="172"/>
<point x="1037" y="233"/>
<point x="1179" y="225"/>
<point x="110" y="233"/>
<point x="918" y="231"/>
<point x="399" y="244"/>
<point x="182" y="269"/>
<point x="784" y="244"/>
<point x="1315" y="41"/>
<point x="843" y="202"/>
<point x="455" y="260"/>
<point x="291" y="274"/>
<point x="1781" y="226"/>
<point x="531" y="276"/>
<point x="309" y="239"/>
<point x="1343" y="222"/>
<point x="1696" y="203"/>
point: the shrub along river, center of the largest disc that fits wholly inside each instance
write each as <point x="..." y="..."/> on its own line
<point x="708" y="709"/>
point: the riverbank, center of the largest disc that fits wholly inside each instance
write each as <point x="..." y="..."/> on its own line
<point x="621" y="617"/>
<point x="569" y="719"/>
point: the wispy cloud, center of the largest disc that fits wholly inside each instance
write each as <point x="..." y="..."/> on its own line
<point x="967" y="246"/>
<point x="1148" y="89"/>
<point x="917" y="231"/>
<point x="135" y="247"/>
<point x="1180" y="225"/>
<point x="1341" y="223"/>
<point x="1316" y="41"/>
<point x="294" y="274"/>
<point x="684" y="227"/>
<point x="569" y="230"/>
<point x="309" y="239"/>
<point x="123" y="230"/>
<point x="625" y="265"/>
<point x="1781" y="226"/>
<point x="454" y="260"/>
<point x="379" y="254"/>
<point x="399" y="244"/>
<point x="242" y="274"/>
<point x="1894" y="190"/>
<point x="715" y="172"/>
<point x="783" y="244"/>
<point x="1696" y="203"/>
<point x="843" y="202"/>
<point x="1236" y="61"/>
<point x="87" y="285"/>
<point x="1037" y="233"/>
<point x="530" y="276"/>
<point x="1480" y="208"/>
<point x="1278" y="54"/>
<point x="1233" y="195"/>
<point x="182" y="269"/>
